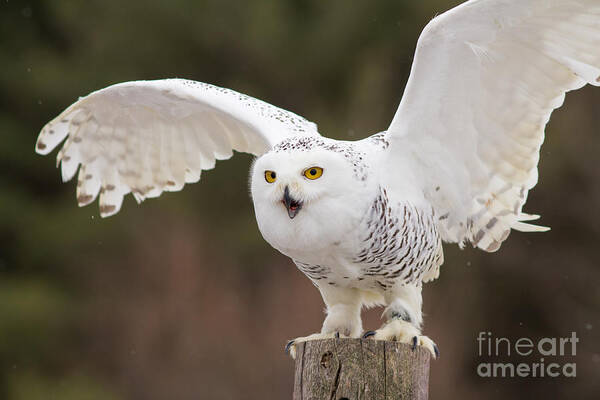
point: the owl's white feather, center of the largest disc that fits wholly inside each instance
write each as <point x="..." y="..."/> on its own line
<point x="146" y="137"/>
<point x="485" y="79"/>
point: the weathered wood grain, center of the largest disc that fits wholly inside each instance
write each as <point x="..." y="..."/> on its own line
<point x="360" y="369"/>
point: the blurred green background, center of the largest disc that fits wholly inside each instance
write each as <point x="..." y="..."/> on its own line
<point x="180" y="298"/>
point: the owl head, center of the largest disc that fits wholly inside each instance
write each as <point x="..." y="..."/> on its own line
<point x="306" y="199"/>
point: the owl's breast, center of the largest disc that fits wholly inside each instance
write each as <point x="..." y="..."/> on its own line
<point x="399" y="244"/>
<point x="395" y="242"/>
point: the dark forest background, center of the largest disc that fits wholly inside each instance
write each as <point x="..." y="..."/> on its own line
<point x="180" y="298"/>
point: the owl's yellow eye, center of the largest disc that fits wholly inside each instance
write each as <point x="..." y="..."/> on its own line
<point x="270" y="176"/>
<point x="313" y="172"/>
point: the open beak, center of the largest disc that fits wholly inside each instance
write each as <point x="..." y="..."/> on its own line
<point x="292" y="206"/>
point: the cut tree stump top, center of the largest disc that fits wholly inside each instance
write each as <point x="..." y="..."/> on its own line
<point x="360" y="369"/>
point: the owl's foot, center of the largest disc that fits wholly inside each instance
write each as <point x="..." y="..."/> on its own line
<point x="405" y="332"/>
<point x="290" y="347"/>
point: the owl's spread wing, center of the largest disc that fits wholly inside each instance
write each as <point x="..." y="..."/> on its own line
<point x="485" y="78"/>
<point x="147" y="137"/>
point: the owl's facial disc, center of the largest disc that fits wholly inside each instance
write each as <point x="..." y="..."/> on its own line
<point x="293" y="206"/>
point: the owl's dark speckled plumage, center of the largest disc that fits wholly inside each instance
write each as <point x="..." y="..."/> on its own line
<point x="347" y="149"/>
<point x="400" y="244"/>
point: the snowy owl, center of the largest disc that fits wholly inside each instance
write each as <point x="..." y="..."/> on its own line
<point x="363" y="220"/>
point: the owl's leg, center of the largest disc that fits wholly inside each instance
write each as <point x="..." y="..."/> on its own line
<point x="404" y="318"/>
<point x="343" y="311"/>
<point x="342" y="320"/>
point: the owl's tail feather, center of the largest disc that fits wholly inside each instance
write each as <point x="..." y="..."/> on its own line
<point x="523" y="227"/>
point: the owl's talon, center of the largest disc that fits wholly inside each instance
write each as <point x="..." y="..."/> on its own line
<point x="368" y="334"/>
<point x="398" y="330"/>
<point x="288" y="346"/>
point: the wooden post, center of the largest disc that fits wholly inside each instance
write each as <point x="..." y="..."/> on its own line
<point x="360" y="369"/>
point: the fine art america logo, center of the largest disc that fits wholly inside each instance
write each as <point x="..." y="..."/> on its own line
<point x="526" y="358"/>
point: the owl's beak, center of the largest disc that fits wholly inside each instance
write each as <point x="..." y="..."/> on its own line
<point x="292" y="206"/>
